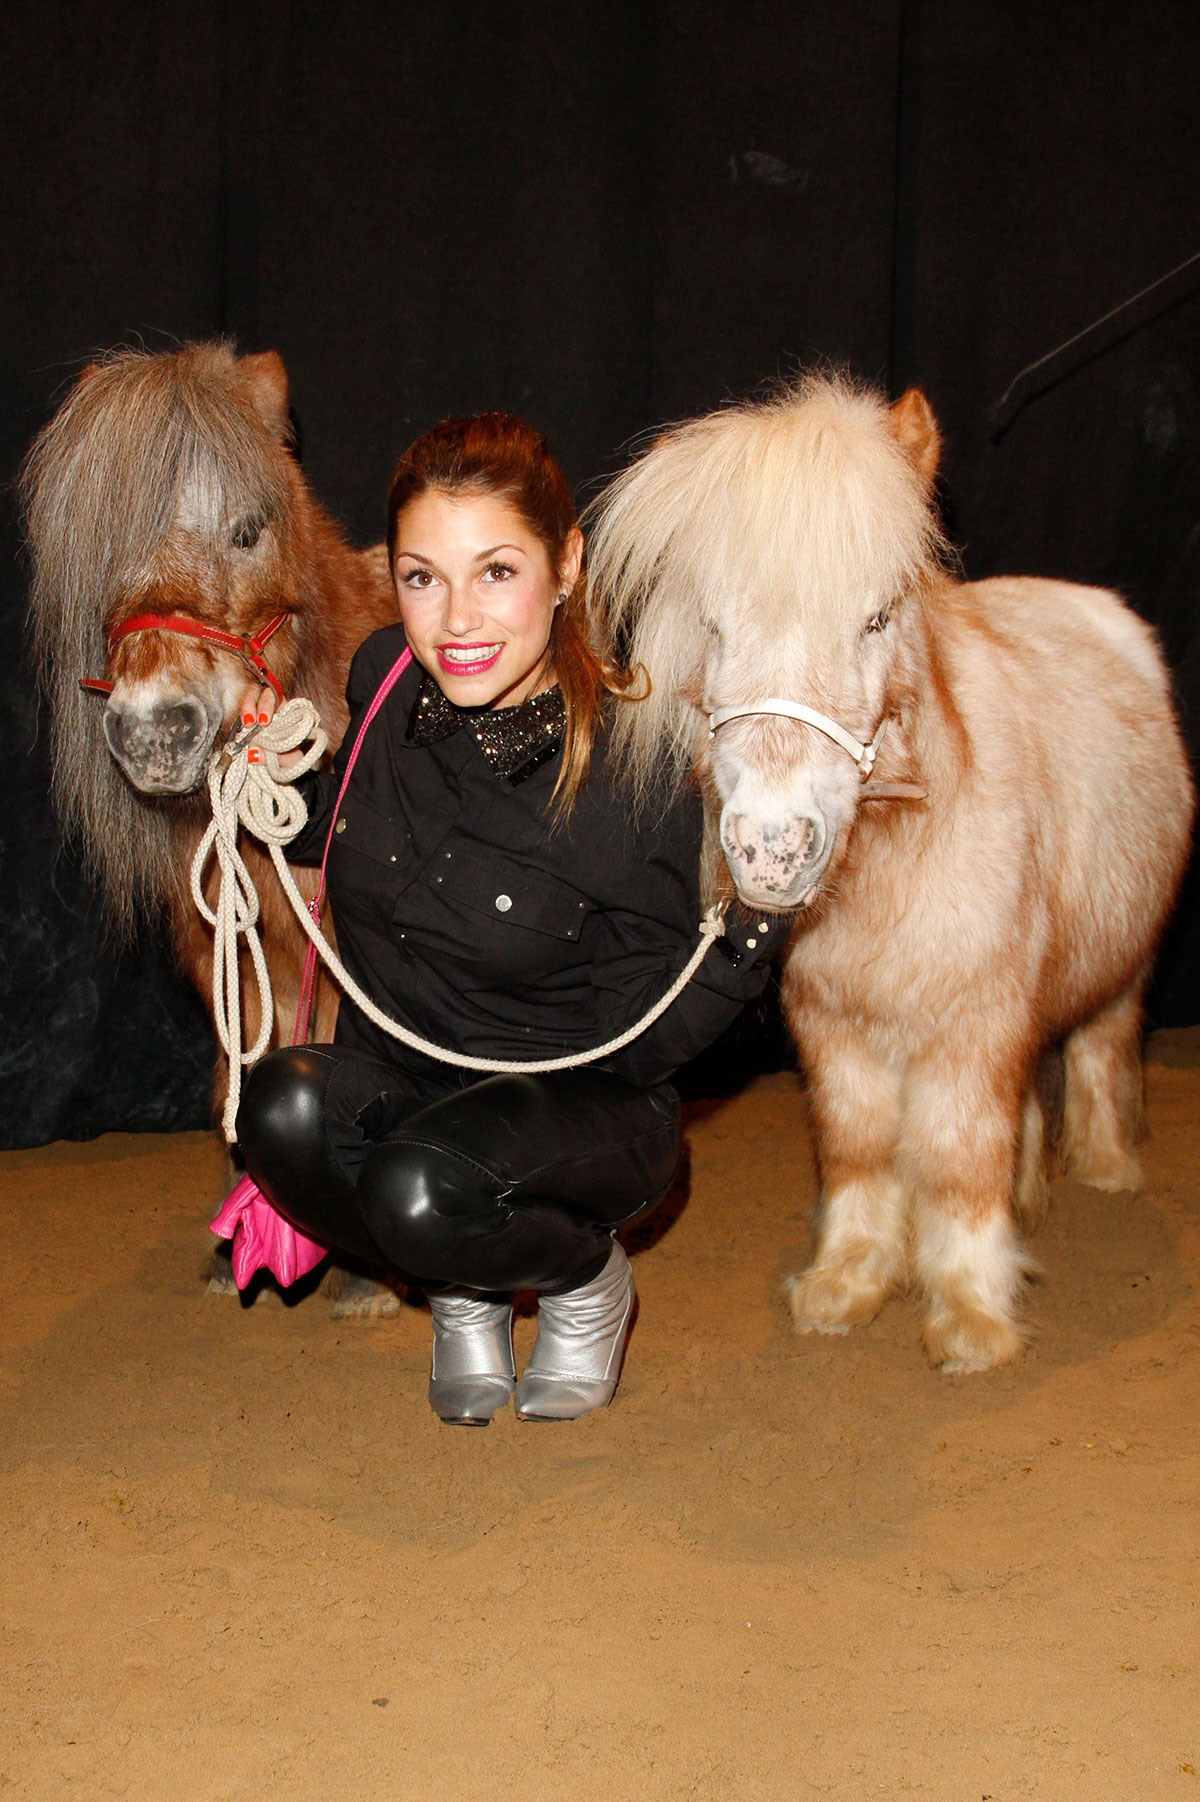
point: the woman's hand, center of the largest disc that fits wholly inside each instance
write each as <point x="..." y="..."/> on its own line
<point x="257" y="708"/>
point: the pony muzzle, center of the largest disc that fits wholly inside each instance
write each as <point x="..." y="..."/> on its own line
<point x="162" y="748"/>
<point x="774" y="865"/>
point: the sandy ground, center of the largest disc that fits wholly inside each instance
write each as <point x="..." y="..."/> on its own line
<point x="242" y="1559"/>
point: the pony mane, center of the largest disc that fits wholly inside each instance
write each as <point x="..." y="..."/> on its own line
<point x="102" y="489"/>
<point x="751" y="518"/>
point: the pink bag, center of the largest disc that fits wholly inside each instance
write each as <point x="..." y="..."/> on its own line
<point x="261" y="1236"/>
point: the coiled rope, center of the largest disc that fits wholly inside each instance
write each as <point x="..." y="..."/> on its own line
<point x="255" y="792"/>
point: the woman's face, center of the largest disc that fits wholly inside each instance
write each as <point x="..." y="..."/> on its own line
<point x="477" y="593"/>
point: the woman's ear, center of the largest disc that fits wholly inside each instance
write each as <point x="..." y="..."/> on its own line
<point x="572" y="559"/>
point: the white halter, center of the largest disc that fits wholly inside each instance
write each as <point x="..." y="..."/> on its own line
<point x="863" y="754"/>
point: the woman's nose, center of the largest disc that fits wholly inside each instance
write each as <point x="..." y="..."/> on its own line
<point x="463" y="612"/>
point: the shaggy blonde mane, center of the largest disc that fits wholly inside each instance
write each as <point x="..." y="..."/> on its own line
<point x="786" y="508"/>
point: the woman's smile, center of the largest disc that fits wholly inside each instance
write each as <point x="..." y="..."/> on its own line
<point x="468" y="659"/>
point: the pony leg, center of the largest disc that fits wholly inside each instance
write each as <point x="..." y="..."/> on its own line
<point x="1031" y="1193"/>
<point x="962" y="1127"/>
<point x="860" y="1249"/>
<point x="1103" y="1114"/>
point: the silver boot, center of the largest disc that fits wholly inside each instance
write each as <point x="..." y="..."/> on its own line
<point x="577" y="1357"/>
<point x="472" y="1373"/>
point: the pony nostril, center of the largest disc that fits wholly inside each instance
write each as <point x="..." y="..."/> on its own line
<point x="792" y="845"/>
<point x="123" y="730"/>
<point x="798" y="843"/>
<point x="738" y="838"/>
<point x="181" y="726"/>
<point x="745" y="842"/>
<point x="112" y="724"/>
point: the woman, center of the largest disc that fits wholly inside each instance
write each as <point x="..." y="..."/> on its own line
<point x="492" y="892"/>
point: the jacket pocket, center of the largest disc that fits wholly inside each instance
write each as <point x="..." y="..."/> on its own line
<point x="508" y="892"/>
<point x="371" y="834"/>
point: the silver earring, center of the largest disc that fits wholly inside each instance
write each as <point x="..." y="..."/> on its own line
<point x="562" y="595"/>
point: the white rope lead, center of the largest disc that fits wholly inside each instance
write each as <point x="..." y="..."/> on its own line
<point x="258" y="795"/>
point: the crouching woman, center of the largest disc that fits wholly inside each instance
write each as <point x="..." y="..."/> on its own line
<point x="494" y="892"/>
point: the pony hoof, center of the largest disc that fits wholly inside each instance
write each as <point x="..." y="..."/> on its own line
<point x="1115" y="1174"/>
<point x="358" y="1297"/>
<point x="962" y="1340"/>
<point x="827" y="1299"/>
<point x="218" y="1270"/>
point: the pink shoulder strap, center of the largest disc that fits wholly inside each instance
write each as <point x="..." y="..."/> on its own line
<point x="308" y="980"/>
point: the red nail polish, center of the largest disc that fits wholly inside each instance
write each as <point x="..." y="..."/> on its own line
<point x="247" y="719"/>
<point x="254" y="755"/>
<point x="264" y="719"/>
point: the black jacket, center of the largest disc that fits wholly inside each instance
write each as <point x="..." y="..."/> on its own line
<point x="467" y="915"/>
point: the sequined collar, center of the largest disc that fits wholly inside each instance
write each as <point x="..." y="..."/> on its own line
<point x="515" y="740"/>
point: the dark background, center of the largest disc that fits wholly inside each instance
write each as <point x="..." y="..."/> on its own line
<point x="601" y="215"/>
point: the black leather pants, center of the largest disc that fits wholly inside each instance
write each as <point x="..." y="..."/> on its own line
<point x="515" y="1182"/>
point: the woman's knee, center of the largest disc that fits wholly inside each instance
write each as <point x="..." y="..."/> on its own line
<point x="283" y="1126"/>
<point x="283" y="1105"/>
<point x="417" y="1197"/>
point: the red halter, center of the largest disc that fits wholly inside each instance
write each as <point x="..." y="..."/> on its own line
<point x="246" y="645"/>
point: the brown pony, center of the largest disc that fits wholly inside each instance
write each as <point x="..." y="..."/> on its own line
<point x="165" y="486"/>
<point x="973" y="795"/>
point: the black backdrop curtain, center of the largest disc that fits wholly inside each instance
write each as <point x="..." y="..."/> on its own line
<point x="601" y="216"/>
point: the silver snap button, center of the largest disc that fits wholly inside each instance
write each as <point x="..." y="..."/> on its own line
<point x="750" y="944"/>
<point x="762" y="926"/>
<point x="341" y="826"/>
<point x="503" y="903"/>
<point x="392" y="858"/>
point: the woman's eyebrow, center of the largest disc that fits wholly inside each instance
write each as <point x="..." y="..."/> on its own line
<point x="479" y="557"/>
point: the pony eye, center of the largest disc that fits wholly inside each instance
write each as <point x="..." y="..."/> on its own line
<point x="879" y="623"/>
<point x="247" y="532"/>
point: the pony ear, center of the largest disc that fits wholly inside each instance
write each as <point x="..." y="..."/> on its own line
<point x="266" y="382"/>
<point x="917" y="433"/>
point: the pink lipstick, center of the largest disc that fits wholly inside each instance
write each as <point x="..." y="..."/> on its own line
<point x="470" y="660"/>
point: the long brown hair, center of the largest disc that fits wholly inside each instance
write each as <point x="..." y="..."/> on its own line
<point x="498" y="454"/>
